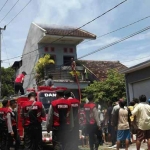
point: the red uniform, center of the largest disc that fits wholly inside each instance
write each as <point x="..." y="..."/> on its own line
<point x="74" y="134"/>
<point x="89" y="113"/>
<point x="19" y="78"/>
<point x="61" y="108"/>
<point x="3" y="114"/>
<point x="36" y="110"/>
<point x="82" y="117"/>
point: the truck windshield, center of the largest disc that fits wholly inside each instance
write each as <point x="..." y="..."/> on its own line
<point x="46" y="98"/>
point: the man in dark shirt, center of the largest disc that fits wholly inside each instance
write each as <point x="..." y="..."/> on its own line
<point x="109" y="111"/>
<point x="49" y="81"/>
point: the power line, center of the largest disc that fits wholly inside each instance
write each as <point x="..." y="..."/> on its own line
<point x="72" y="30"/>
<point x="5" y="49"/>
<point x="136" y="59"/>
<point x="19" y="12"/>
<point x="9" y="11"/>
<point x="3" y="5"/>
<point x="116" y="42"/>
<point x="119" y="28"/>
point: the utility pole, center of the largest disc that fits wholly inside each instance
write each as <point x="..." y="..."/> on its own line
<point x="1" y="61"/>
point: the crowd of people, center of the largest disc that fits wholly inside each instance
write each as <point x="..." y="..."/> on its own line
<point x="118" y="123"/>
<point x="124" y="124"/>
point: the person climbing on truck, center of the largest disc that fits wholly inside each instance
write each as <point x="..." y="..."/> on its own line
<point x="19" y="83"/>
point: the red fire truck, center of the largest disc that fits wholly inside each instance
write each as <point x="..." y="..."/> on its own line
<point x="45" y="95"/>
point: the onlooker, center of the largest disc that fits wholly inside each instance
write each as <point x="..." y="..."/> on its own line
<point x="104" y="127"/>
<point x="131" y="107"/>
<point x="122" y="124"/>
<point x="108" y="117"/>
<point x="113" y="130"/>
<point x="49" y="81"/>
<point x="19" y="83"/>
<point x="136" y="101"/>
<point x="142" y="113"/>
<point x="82" y="123"/>
<point x="149" y="101"/>
<point x="92" y="123"/>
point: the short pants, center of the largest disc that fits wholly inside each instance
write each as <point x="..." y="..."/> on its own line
<point x="123" y="135"/>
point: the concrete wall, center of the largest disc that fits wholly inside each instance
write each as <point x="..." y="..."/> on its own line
<point x="137" y="83"/>
<point x="59" y="52"/>
<point x="29" y="60"/>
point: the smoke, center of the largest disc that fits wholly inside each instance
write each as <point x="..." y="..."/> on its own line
<point x="74" y="13"/>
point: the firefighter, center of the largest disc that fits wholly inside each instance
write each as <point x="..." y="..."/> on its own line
<point x="12" y="114"/>
<point x="32" y="113"/>
<point x="59" y="121"/>
<point x="74" y="133"/>
<point x="19" y="83"/>
<point x="73" y="64"/>
<point x="92" y="123"/>
<point x="3" y="125"/>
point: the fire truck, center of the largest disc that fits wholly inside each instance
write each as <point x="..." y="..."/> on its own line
<point x="45" y="95"/>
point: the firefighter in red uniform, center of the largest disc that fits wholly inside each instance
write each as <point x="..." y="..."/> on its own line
<point x="32" y="113"/>
<point x="74" y="133"/>
<point x="92" y="123"/>
<point x="4" y="125"/>
<point x="59" y="121"/>
<point x="12" y="119"/>
<point x="19" y="83"/>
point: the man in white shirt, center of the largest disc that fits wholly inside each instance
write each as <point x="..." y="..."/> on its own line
<point x="142" y="113"/>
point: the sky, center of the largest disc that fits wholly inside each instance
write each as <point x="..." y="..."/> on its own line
<point x="75" y="13"/>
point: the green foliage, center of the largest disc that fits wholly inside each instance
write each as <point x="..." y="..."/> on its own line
<point x="110" y="89"/>
<point x="41" y="64"/>
<point x="7" y="81"/>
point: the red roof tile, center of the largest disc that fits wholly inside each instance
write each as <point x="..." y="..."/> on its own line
<point x="67" y="31"/>
<point x="100" y="68"/>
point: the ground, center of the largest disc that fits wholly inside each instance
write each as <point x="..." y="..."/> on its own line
<point x="104" y="147"/>
<point x="132" y="147"/>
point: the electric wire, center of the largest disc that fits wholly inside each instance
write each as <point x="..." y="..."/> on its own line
<point x="19" y="12"/>
<point x="72" y="30"/>
<point x="3" y="5"/>
<point x="5" y="48"/>
<point x="116" y="42"/>
<point x="9" y="11"/>
<point x="118" y="29"/>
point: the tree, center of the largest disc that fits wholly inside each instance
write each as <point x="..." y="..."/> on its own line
<point x="41" y="64"/>
<point x="7" y="81"/>
<point x="110" y="89"/>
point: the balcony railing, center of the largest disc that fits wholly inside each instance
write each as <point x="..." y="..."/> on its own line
<point x="63" y="72"/>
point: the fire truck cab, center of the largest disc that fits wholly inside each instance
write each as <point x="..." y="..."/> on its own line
<point x="45" y="95"/>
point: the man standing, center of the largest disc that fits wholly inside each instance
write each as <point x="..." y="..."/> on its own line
<point x="32" y="113"/>
<point x="58" y="121"/>
<point x="11" y="116"/>
<point x="49" y="81"/>
<point x="142" y="113"/>
<point x="93" y="123"/>
<point x="74" y="133"/>
<point x="19" y="83"/>
<point x="122" y="124"/>
<point x="3" y="125"/>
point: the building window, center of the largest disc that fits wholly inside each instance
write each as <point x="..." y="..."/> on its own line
<point x="46" y="49"/>
<point x="52" y="49"/>
<point x="71" y="50"/>
<point x="65" y="50"/>
<point x="67" y="60"/>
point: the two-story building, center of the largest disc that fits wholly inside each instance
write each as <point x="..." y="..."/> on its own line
<point x="60" y="43"/>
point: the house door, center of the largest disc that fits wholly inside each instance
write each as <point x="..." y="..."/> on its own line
<point x="67" y="60"/>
